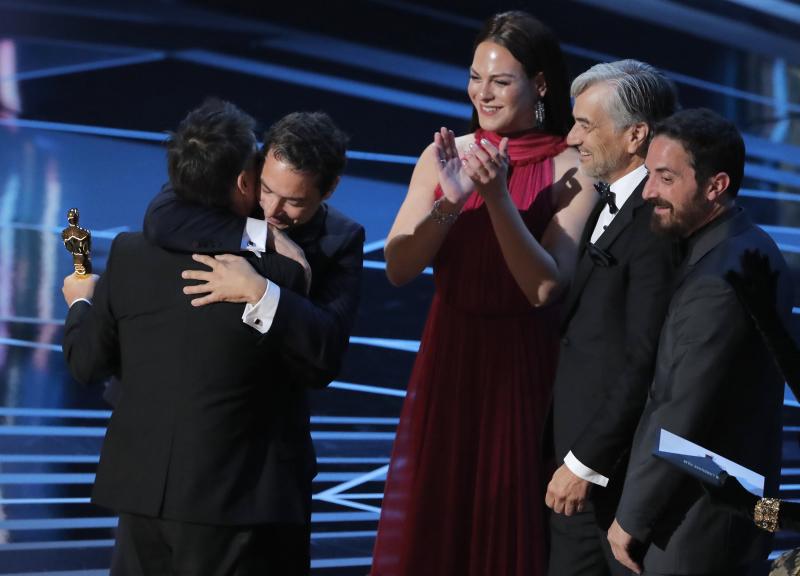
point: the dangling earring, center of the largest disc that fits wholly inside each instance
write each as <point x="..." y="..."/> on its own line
<point x="539" y="114"/>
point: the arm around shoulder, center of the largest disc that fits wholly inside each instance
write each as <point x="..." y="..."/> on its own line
<point x="176" y="224"/>
<point x="314" y="332"/>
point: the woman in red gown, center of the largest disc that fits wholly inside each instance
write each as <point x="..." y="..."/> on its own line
<point x="498" y="213"/>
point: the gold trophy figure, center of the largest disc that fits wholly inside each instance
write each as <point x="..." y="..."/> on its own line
<point x="78" y="241"/>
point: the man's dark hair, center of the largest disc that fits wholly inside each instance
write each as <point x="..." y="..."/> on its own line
<point x="713" y="143"/>
<point x="205" y="155"/>
<point x="309" y="142"/>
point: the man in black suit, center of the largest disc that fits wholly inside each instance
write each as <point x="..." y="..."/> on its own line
<point x="208" y="456"/>
<point x="715" y="383"/>
<point x="303" y="156"/>
<point x="612" y="313"/>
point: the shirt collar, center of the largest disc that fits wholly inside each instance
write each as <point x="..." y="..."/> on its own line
<point x="624" y="187"/>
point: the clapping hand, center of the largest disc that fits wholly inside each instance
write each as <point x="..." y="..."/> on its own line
<point x="487" y="166"/>
<point x="456" y="184"/>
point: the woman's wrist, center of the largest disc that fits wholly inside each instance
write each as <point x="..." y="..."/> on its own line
<point x="444" y="211"/>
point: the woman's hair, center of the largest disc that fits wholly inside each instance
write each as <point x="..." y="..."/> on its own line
<point x="534" y="46"/>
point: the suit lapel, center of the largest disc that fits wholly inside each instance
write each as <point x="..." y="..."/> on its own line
<point x="735" y="223"/>
<point x="585" y="264"/>
<point x="594" y="215"/>
<point x="623" y="219"/>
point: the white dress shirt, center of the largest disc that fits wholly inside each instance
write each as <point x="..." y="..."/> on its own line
<point x="254" y="237"/>
<point x="623" y="189"/>
<point x="260" y="314"/>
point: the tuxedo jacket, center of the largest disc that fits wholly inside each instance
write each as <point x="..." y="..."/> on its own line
<point x="206" y="429"/>
<point x="613" y="312"/>
<point x="258" y="382"/>
<point x="716" y="385"/>
<point x="314" y="331"/>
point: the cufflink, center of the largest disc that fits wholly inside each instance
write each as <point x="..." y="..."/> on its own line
<point x="258" y="321"/>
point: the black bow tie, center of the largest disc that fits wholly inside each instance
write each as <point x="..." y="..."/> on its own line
<point x="606" y="196"/>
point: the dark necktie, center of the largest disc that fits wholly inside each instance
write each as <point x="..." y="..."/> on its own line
<point x="606" y="196"/>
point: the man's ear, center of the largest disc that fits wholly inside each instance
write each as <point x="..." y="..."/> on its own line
<point x="241" y="182"/>
<point x="717" y="185"/>
<point x="638" y="135"/>
<point x="329" y="193"/>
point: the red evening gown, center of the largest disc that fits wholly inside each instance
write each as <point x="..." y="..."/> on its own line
<point x="465" y="490"/>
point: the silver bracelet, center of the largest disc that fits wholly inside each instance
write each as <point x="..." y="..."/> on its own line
<point x="442" y="217"/>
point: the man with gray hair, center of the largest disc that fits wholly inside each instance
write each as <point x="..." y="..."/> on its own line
<point x="613" y="313"/>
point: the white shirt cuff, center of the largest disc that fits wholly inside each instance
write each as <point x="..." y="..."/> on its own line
<point x="581" y="471"/>
<point x="89" y="302"/>
<point x="255" y="236"/>
<point x="261" y="314"/>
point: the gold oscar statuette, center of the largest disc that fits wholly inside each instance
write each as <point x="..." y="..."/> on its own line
<point x="78" y="241"/>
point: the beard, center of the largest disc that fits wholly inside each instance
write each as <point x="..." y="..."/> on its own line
<point x="605" y="161"/>
<point x="680" y="223"/>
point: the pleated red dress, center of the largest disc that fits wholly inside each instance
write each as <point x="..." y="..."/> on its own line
<point x="465" y="490"/>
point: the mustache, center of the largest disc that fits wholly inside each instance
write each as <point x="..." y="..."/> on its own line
<point x="660" y="203"/>
<point x="282" y="218"/>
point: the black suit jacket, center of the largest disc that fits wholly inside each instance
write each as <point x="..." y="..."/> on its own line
<point x="313" y="331"/>
<point x="206" y="429"/>
<point x="612" y="316"/>
<point x="716" y="385"/>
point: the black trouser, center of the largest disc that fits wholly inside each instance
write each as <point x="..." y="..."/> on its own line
<point x="155" y="547"/>
<point x="756" y="569"/>
<point x="579" y="547"/>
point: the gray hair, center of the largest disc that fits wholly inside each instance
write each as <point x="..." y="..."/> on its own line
<point x="641" y="92"/>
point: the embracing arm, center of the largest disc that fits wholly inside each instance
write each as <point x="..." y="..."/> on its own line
<point x="543" y="270"/>
<point x="415" y="238"/>
<point x="711" y="326"/>
<point x="184" y="226"/>
<point x="609" y="432"/>
<point x="313" y="332"/>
